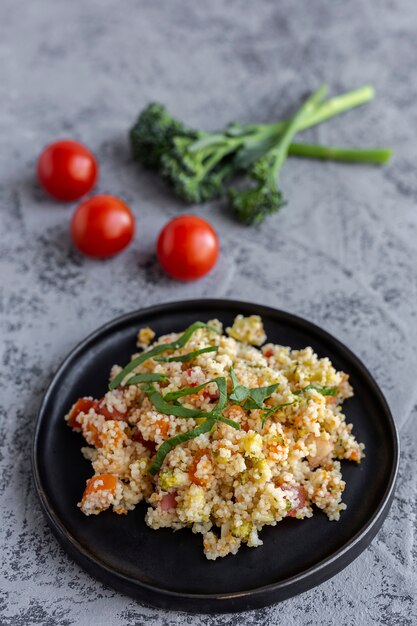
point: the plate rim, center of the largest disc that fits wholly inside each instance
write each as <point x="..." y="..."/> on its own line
<point x="85" y="559"/>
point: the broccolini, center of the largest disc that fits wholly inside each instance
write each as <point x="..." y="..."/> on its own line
<point x="199" y="165"/>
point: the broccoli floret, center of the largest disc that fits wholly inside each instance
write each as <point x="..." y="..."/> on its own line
<point x="252" y="205"/>
<point x="160" y="141"/>
<point x="151" y="136"/>
<point x="195" y="176"/>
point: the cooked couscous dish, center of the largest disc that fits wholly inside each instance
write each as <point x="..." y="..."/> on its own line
<point x="218" y="435"/>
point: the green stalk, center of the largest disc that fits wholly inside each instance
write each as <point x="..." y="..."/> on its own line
<point x="338" y="105"/>
<point x="256" y="139"/>
<point x="378" y="156"/>
<point x="330" y="108"/>
<point x="307" y="109"/>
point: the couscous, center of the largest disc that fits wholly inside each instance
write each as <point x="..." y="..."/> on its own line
<point x="218" y="435"/>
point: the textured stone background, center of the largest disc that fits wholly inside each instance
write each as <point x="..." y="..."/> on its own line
<point x="342" y="253"/>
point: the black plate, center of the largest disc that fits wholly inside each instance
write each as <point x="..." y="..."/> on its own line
<point x="167" y="569"/>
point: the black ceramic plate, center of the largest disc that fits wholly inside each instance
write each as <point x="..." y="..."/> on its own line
<point x="167" y="569"/>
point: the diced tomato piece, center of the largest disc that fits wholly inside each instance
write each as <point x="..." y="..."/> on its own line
<point x="211" y="395"/>
<point x="168" y="501"/>
<point x="191" y="383"/>
<point x="149" y="445"/>
<point x="110" y="415"/>
<point x="83" y="405"/>
<point x="300" y="493"/>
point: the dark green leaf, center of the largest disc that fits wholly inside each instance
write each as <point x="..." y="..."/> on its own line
<point x="169" y="444"/>
<point x="188" y="391"/>
<point x="325" y="391"/>
<point x="147" y="377"/>
<point x="273" y="410"/>
<point x="222" y="387"/>
<point x="149" y="354"/>
<point x="252" y="398"/>
<point x="162" y="406"/>
<point x="183" y="358"/>
<point x="240" y="392"/>
<point x="259" y="394"/>
<point x="228" y="421"/>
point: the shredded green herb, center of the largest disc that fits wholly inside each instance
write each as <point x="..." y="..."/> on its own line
<point x="187" y="391"/>
<point x="325" y="391"/>
<point x="171" y="443"/>
<point x="222" y="401"/>
<point x="149" y="354"/>
<point x="211" y="417"/>
<point x="273" y="410"/>
<point x="251" y="398"/>
<point x="164" y="407"/>
<point x="184" y="358"/>
<point x="147" y="377"/>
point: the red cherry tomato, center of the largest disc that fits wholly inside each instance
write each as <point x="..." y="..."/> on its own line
<point x="67" y="170"/>
<point x="187" y="247"/>
<point x="102" y="226"/>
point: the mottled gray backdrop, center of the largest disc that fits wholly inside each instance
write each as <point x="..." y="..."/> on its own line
<point x="342" y="253"/>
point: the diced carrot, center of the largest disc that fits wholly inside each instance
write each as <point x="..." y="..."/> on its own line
<point x="112" y="438"/>
<point x="83" y="405"/>
<point x="331" y="400"/>
<point x="100" y="482"/>
<point x="354" y="456"/>
<point x="163" y="426"/>
<point x="91" y="434"/>
<point x="235" y="412"/>
<point x="193" y="468"/>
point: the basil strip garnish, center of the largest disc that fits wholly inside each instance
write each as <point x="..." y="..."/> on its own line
<point x="169" y="444"/>
<point x="147" y="377"/>
<point x="212" y="416"/>
<point x="162" y="406"/>
<point x="273" y="410"/>
<point x="188" y="391"/>
<point x="325" y="391"/>
<point x="183" y="358"/>
<point x="228" y="421"/>
<point x="222" y="401"/>
<point x="174" y="345"/>
<point x="251" y="398"/>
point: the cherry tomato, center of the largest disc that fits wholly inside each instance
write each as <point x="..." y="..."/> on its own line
<point x="67" y="170"/>
<point x="102" y="226"/>
<point x="187" y="247"/>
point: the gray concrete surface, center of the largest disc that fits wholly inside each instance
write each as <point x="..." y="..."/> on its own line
<point x="342" y="253"/>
